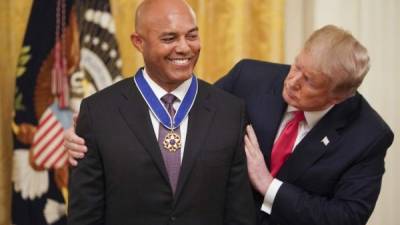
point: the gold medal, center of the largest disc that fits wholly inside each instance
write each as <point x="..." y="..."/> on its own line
<point x="172" y="141"/>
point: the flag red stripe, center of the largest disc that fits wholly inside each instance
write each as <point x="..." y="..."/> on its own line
<point x="60" y="143"/>
<point x="45" y="133"/>
<point x="48" y="143"/>
<point x="44" y="120"/>
<point x="60" y="157"/>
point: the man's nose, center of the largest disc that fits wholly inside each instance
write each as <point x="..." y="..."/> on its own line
<point x="295" y="81"/>
<point x="183" y="46"/>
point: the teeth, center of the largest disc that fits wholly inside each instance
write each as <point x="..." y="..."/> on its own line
<point x="180" y="61"/>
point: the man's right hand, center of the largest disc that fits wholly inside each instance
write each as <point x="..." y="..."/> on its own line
<point x="74" y="144"/>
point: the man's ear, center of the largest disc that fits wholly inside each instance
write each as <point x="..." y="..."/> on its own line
<point x="137" y="41"/>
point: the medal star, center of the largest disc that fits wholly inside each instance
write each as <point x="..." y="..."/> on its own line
<point x="172" y="142"/>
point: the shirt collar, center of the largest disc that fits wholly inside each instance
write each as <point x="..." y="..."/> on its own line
<point x="312" y="117"/>
<point x="179" y="92"/>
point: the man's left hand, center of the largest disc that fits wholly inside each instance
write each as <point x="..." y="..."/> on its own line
<point x="259" y="175"/>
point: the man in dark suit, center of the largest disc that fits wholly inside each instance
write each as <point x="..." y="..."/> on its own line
<point x="328" y="169"/>
<point x="321" y="140"/>
<point x="182" y="163"/>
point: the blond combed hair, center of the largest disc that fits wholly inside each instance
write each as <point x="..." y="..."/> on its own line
<point x="339" y="56"/>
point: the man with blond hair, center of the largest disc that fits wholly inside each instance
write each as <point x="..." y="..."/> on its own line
<point x="315" y="147"/>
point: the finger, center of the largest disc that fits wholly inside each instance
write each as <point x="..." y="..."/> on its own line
<point x="252" y="136"/>
<point x="249" y="158"/>
<point x="76" y="139"/>
<point x="72" y="147"/>
<point x="76" y="155"/>
<point x="246" y="151"/>
<point x="70" y="136"/>
<point x="247" y="142"/>
<point x="72" y="161"/>
<point x="249" y="146"/>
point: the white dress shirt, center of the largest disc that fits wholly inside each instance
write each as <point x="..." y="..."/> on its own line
<point x="311" y="118"/>
<point x="180" y="93"/>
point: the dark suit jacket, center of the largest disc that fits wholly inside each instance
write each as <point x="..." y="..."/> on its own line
<point x="122" y="179"/>
<point x="337" y="183"/>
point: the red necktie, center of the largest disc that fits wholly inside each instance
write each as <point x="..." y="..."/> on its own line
<point x="284" y="144"/>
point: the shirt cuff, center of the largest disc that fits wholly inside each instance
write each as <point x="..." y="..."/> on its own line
<point x="270" y="195"/>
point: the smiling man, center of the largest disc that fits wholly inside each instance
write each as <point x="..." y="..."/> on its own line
<point x="316" y="153"/>
<point x="163" y="146"/>
<point x="169" y="42"/>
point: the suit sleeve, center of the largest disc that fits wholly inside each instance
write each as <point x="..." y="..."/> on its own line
<point x="353" y="199"/>
<point x="86" y="181"/>
<point x="239" y="204"/>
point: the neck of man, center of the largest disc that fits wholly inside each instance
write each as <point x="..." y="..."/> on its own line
<point x="168" y="87"/>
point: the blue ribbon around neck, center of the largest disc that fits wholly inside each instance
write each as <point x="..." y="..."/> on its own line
<point x="159" y="109"/>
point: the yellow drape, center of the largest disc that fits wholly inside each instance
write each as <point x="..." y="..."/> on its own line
<point x="230" y="30"/>
<point x="13" y="19"/>
<point x="236" y="29"/>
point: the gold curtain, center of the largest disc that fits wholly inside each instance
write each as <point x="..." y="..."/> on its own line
<point x="230" y="30"/>
<point x="236" y="29"/>
<point x="13" y="20"/>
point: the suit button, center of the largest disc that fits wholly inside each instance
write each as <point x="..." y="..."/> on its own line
<point x="172" y="218"/>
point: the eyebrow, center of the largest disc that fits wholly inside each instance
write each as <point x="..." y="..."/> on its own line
<point x="194" y="29"/>
<point x="167" y="34"/>
<point x="174" y="33"/>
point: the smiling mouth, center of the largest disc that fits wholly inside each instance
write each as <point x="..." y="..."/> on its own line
<point x="180" y="61"/>
<point x="290" y="95"/>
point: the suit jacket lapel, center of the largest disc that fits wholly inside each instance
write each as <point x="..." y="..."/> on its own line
<point x="309" y="150"/>
<point x="265" y="111"/>
<point x="136" y="114"/>
<point x="322" y="138"/>
<point x="200" y="118"/>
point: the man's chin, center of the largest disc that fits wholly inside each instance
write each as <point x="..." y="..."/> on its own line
<point x="290" y="100"/>
<point x="182" y="73"/>
<point x="179" y="76"/>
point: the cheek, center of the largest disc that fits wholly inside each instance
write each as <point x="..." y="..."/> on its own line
<point x="286" y="82"/>
<point x="290" y="76"/>
<point x="305" y="96"/>
<point x="163" y="50"/>
<point x="195" y="48"/>
<point x="317" y="98"/>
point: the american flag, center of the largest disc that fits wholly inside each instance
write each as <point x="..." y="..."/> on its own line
<point x="69" y="52"/>
<point x="48" y="143"/>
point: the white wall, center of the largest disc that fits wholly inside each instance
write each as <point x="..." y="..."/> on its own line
<point x="377" y="25"/>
